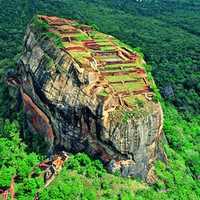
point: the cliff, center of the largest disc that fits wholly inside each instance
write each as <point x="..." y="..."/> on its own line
<point x="85" y="91"/>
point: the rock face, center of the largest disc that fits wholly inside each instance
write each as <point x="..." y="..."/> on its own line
<point x="88" y="92"/>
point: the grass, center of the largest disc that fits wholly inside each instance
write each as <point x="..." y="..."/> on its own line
<point x="104" y="94"/>
<point x="108" y="48"/>
<point x="50" y="64"/>
<point x="142" y="82"/>
<point x="119" y="87"/>
<point x="130" y="100"/>
<point x="92" y="33"/>
<point x="97" y="35"/>
<point x="78" y="43"/>
<point x="105" y="34"/>
<point x="80" y="33"/>
<point x="64" y="70"/>
<point x="80" y="53"/>
<point x="79" y="58"/>
<point x="65" y="43"/>
<point x="75" y="24"/>
<point x="108" y="57"/>
<point x="67" y="33"/>
<point x="133" y="75"/>
<point x="121" y="65"/>
<point x="104" y="43"/>
<point x="99" y="40"/>
<point x="119" y="70"/>
<point x="118" y="78"/>
<point x="121" y="44"/>
<point x="82" y="37"/>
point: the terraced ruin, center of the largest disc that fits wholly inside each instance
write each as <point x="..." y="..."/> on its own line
<point x="118" y="68"/>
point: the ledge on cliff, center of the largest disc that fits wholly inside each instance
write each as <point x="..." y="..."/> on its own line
<point x="87" y="91"/>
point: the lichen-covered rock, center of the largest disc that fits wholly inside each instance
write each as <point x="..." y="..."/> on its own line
<point x="168" y="91"/>
<point x="87" y="92"/>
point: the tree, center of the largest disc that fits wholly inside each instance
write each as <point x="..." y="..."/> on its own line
<point x="6" y="176"/>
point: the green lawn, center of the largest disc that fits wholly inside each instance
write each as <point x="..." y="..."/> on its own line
<point x="99" y="39"/>
<point x="82" y="37"/>
<point x="127" y="86"/>
<point x="108" y="48"/>
<point x="92" y="33"/>
<point x="65" y="43"/>
<point x="118" y="70"/>
<point x="104" y="43"/>
<point x="121" y="65"/>
<point x="118" y="78"/>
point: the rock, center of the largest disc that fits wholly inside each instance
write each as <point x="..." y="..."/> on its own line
<point x="80" y="106"/>
<point x="151" y="176"/>
<point x="168" y="91"/>
<point x="158" y="155"/>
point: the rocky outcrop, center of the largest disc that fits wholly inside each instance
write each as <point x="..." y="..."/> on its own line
<point x="79" y="106"/>
<point x="168" y="91"/>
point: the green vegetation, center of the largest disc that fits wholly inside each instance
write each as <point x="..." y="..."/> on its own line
<point x="44" y="27"/>
<point x="104" y="94"/>
<point x="13" y="157"/>
<point x="108" y="48"/>
<point x="118" y="78"/>
<point x="99" y="39"/>
<point x="64" y="70"/>
<point x="79" y="58"/>
<point x="117" y="70"/>
<point x="122" y="44"/>
<point x="8" y="104"/>
<point x="82" y="37"/>
<point x="177" y="180"/>
<point x="132" y="86"/>
<point x="50" y="64"/>
<point x="121" y="65"/>
<point x="65" y="43"/>
<point x="104" y="43"/>
<point x="17" y="157"/>
<point x="168" y="34"/>
<point x="84" y="178"/>
<point x="41" y="25"/>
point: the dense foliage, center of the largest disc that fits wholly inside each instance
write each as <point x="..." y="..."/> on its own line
<point x="84" y="178"/>
<point x="15" y="163"/>
<point x="168" y="34"/>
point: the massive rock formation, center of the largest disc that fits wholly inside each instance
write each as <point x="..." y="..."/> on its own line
<point x="88" y="92"/>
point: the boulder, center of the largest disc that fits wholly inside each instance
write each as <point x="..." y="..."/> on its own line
<point x="73" y="100"/>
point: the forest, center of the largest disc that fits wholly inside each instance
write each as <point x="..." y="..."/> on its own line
<point x="168" y="34"/>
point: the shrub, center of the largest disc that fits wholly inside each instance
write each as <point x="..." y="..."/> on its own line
<point x="88" y="194"/>
<point x="54" y="193"/>
<point x="6" y="176"/>
<point x="117" y="172"/>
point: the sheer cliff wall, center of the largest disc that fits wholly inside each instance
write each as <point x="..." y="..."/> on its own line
<point x="78" y="110"/>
